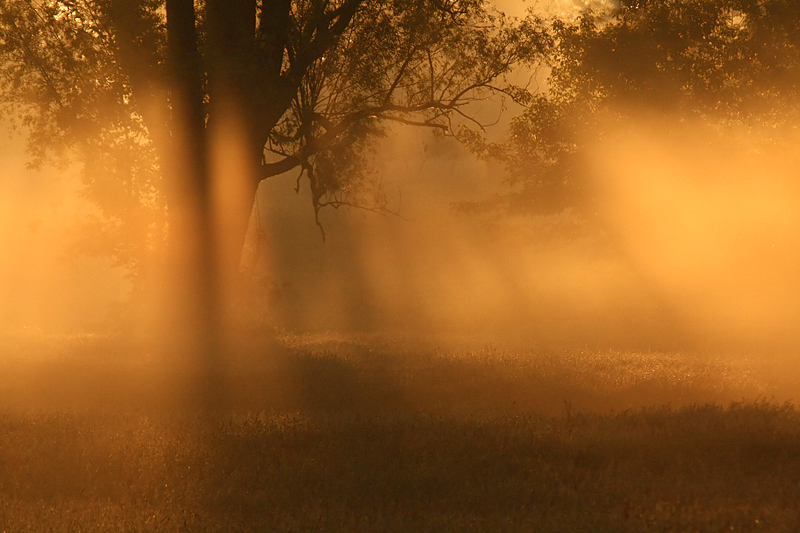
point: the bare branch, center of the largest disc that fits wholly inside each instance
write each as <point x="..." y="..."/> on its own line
<point x="401" y="71"/>
<point x="279" y="167"/>
<point x="425" y="124"/>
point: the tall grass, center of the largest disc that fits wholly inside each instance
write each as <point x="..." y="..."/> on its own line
<point x="372" y="434"/>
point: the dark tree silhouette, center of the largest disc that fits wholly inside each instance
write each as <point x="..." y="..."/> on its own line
<point x="724" y="62"/>
<point x="153" y="95"/>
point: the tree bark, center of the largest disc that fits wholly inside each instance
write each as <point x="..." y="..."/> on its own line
<point x="192" y="237"/>
<point x="236" y="142"/>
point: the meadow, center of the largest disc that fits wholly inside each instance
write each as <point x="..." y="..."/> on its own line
<point x="375" y="433"/>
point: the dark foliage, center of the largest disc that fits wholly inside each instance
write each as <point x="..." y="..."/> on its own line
<point x="728" y="63"/>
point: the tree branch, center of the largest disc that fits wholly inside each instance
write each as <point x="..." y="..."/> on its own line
<point x="279" y="167"/>
<point x="378" y="112"/>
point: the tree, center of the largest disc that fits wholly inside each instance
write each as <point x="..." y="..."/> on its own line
<point x="725" y="62"/>
<point x="181" y="108"/>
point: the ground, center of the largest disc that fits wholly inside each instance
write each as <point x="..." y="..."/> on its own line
<point x="378" y="433"/>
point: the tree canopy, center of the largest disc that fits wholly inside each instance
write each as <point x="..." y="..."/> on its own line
<point x="727" y="63"/>
<point x="310" y="83"/>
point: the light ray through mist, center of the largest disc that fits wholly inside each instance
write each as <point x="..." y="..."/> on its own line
<point x="710" y="220"/>
<point x="697" y="247"/>
<point x="46" y="286"/>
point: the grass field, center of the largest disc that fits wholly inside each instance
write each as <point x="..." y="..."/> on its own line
<point x="370" y="433"/>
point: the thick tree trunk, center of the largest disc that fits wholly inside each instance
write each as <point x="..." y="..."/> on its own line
<point x="235" y="171"/>
<point x="211" y="167"/>
<point x="236" y="82"/>
<point x="192" y="237"/>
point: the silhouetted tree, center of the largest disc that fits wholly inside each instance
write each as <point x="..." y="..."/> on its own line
<point x="152" y="94"/>
<point x="725" y="62"/>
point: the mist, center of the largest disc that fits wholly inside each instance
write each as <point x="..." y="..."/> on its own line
<point x="49" y="285"/>
<point x="690" y="243"/>
<point x="708" y="221"/>
<point x="695" y="246"/>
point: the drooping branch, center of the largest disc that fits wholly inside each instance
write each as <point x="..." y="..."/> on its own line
<point x="321" y="142"/>
<point x="387" y="111"/>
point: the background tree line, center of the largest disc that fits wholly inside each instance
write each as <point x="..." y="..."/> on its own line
<point x="729" y="64"/>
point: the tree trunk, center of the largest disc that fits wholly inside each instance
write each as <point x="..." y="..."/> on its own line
<point x="213" y="167"/>
<point x="236" y="132"/>
<point x="192" y="261"/>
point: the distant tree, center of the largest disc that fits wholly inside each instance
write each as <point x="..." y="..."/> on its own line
<point x="143" y="90"/>
<point x="725" y="62"/>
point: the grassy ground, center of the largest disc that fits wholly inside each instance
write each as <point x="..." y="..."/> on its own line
<point x="330" y="433"/>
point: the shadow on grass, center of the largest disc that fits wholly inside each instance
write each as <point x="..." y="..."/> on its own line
<point x="354" y="376"/>
<point x="696" y="468"/>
